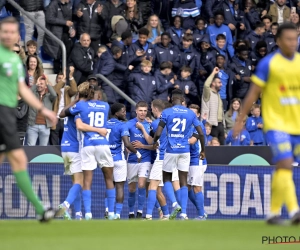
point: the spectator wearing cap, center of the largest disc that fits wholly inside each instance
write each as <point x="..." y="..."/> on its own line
<point x="279" y="12"/>
<point x="38" y="125"/>
<point x="212" y="105"/>
<point x="241" y="67"/>
<point x="64" y="94"/>
<point x="260" y="51"/>
<point x="92" y="79"/>
<point x="176" y="31"/>
<point x="90" y="18"/>
<point x="256" y="35"/>
<point x="81" y="58"/>
<point x="219" y="28"/>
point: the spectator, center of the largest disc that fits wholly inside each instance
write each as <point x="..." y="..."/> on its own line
<point x="267" y="20"/>
<point x="187" y="55"/>
<point x="279" y="12"/>
<point x="211" y="7"/>
<point x="256" y="35"/>
<point x="241" y="67"/>
<point x="145" y="7"/>
<point x="166" y="52"/>
<point x="232" y="113"/>
<point x="22" y="117"/>
<point x="81" y="58"/>
<point x="254" y="126"/>
<point x="133" y="17"/>
<point x="64" y="94"/>
<point x="34" y="70"/>
<point x="220" y="28"/>
<point x="34" y="9"/>
<point x="215" y="142"/>
<point x="118" y="26"/>
<point x="295" y="18"/>
<point x="92" y="79"/>
<point x="141" y="50"/>
<point x="187" y="86"/>
<point x="31" y="47"/>
<point x="209" y="138"/>
<point x="199" y="30"/>
<point x="91" y="20"/>
<point x="259" y="53"/>
<point x="162" y="8"/>
<point x="60" y="22"/>
<point x="112" y="8"/>
<point x="176" y="31"/>
<point x="105" y="63"/>
<point x="242" y="139"/>
<point x="269" y="37"/>
<point x="38" y="126"/>
<point x="188" y="10"/>
<point x="20" y="51"/>
<point x="164" y="81"/>
<point x="155" y="29"/>
<point x="263" y="7"/>
<point x="124" y="44"/>
<point x="142" y="86"/>
<point x="212" y="105"/>
<point x="251" y="15"/>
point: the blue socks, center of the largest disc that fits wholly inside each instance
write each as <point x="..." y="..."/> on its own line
<point x="131" y="202"/>
<point x="87" y="200"/>
<point x="169" y="191"/>
<point x="184" y="199"/>
<point x="142" y="198"/>
<point x="165" y="210"/>
<point x="111" y="197"/>
<point x="157" y="205"/>
<point x="151" y="201"/>
<point x="178" y="196"/>
<point x="192" y="197"/>
<point x="77" y="203"/>
<point x="119" y="207"/>
<point x="199" y="199"/>
<point x="73" y="193"/>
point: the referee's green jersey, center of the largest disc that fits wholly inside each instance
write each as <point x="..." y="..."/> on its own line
<point x="11" y="73"/>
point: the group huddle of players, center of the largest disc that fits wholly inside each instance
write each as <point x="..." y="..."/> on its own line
<point x="167" y="153"/>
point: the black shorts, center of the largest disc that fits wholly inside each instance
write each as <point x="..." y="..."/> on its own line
<point x="9" y="139"/>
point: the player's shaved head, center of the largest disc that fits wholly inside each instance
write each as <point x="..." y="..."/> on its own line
<point x="177" y="96"/>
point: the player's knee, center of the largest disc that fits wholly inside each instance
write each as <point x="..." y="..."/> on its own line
<point x="17" y="159"/>
<point x="197" y="189"/>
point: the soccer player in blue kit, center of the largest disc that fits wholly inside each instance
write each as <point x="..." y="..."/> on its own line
<point x="138" y="172"/>
<point x="95" y="148"/>
<point x="178" y="120"/>
<point x="118" y="137"/>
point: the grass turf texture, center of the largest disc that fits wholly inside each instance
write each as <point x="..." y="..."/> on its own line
<point x="141" y="235"/>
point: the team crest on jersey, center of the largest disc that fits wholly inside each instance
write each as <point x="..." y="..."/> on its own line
<point x="153" y="82"/>
<point x="188" y="57"/>
<point x="220" y="74"/>
<point x="249" y="67"/>
<point x="171" y="52"/>
<point x="149" y="51"/>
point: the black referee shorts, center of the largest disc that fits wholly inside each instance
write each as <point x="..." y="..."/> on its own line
<point x="9" y="139"/>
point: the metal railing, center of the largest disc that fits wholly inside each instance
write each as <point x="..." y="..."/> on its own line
<point x="115" y="88"/>
<point x="49" y="33"/>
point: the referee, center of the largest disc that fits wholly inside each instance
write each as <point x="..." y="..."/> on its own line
<point x="12" y="83"/>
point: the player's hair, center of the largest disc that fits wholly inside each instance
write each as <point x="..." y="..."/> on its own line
<point x="141" y="104"/>
<point x="177" y="95"/>
<point x="259" y="25"/>
<point x="187" y="37"/>
<point x="9" y="20"/>
<point x="159" y="104"/>
<point x="166" y="34"/>
<point x="86" y="91"/>
<point x="165" y="65"/>
<point x="116" y="107"/>
<point x="186" y="69"/>
<point x="177" y="92"/>
<point x="102" y="49"/>
<point x="195" y="106"/>
<point x="267" y="17"/>
<point x="115" y="50"/>
<point x="284" y="27"/>
<point x="255" y="106"/>
<point x="144" y="31"/>
<point x="230" y="111"/>
<point x="207" y="124"/>
<point x="221" y="37"/>
<point x="167" y="104"/>
<point x="146" y="63"/>
<point x="31" y="43"/>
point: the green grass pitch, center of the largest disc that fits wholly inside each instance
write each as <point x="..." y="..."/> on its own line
<point x="141" y="235"/>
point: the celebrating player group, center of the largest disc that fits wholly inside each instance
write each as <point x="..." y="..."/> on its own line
<point x="166" y="154"/>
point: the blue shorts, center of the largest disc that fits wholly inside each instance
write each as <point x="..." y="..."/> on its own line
<point x="283" y="145"/>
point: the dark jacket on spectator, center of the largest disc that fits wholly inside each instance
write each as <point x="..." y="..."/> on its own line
<point x="145" y="7"/>
<point x="240" y="87"/>
<point x="82" y="60"/>
<point x="169" y="54"/>
<point x="229" y="17"/>
<point x="255" y="58"/>
<point x="187" y="57"/>
<point x="191" y="97"/>
<point x="105" y="65"/>
<point x="197" y="38"/>
<point x="211" y="6"/>
<point x="125" y="58"/>
<point x="163" y="85"/>
<point x="175" y="39"/>
<point x="162" y="8"/>
<point x="32" y="5"/>
<point x="253" y="38"/>
<point x="56" y="16"/>
<point x="22" y="115"/>
<point x="136" y="23"/>
<point x="150" y="52"/>
<point x="93" y="26"/>
<point x="110" y="10"/>
<point x="252" y="18"/>
<point x="269" y="38"/>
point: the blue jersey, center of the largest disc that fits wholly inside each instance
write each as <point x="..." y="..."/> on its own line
<point x="116" y="130"/>
<point x="178" y="120"/>
<point x="137" y="135"/>
<point x="69" y="141"/>
<point x="93" y="113"/>
<point x="162" y="140"/>
<point x="196" y="148"/>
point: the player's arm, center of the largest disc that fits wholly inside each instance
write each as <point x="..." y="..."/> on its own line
<point x="202" y="141"/>
<point x="87" y="128"/>
<point x="193" y="139"/>
<point x="131" y="148"/>
<point x="138" y="144"/>
<point x="147" y="137"/>
<point x="66" y="112"/>
<point x="158" y="132"/>
<point x="33" y="102"/>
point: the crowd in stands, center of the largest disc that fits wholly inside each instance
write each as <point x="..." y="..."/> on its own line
<point x="208" y="49"/>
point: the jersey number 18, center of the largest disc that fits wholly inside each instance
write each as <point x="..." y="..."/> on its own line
<point x="96" y="119"/>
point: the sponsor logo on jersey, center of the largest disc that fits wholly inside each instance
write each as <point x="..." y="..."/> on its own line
<point x="138" y="135"/>
<point x="176" y="135"/>
<point x="180" y="110"/>
<point x="66" y="144"/>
